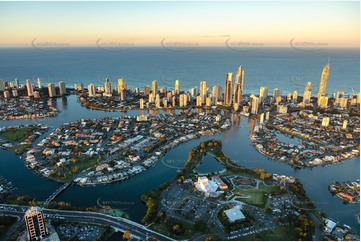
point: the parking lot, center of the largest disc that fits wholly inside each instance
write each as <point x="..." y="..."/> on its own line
<point x="79" y="232"/>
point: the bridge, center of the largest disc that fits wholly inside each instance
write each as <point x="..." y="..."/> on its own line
<point x="56" y="193"/>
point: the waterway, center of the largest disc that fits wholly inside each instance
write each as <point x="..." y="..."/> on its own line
<point x="209" y="164"/>
<point x="126" y="195"/>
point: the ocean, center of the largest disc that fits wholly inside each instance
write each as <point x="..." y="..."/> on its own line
<point x="287" y="69"/>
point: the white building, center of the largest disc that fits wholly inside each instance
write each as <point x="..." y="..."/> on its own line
<point x="234" y="214"/>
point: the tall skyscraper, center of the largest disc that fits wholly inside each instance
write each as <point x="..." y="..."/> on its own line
<point x="6" y="94"/>
<point x="29" y="88"/>
<point x="238" y="86"/>
<point x="141" y="103"/>
<point x="15" y="93"/>
<point x="323" y="80"/>
<point x="217" y="93"/>
<point x="306" y="97"/>
<point x="17" y="84"/>
<point x="154" y="87"/>
<point x="62" y="88"/>
<point x="276" y="93"/>
<point x="208" y="101"/>
<point x="91" y="90"/>
<point x="295" y="96"/>
<point x="51" y="90"/>
<point x="147" y="90"/>
<point x="263" y="93"/>
<point x="307" y="93"/>
<point x="122" y="86"/>
<point x="228" y="89"/>
<point x="35" y="224"/>
<point x="177" y="87"/>
<point x="255" y="105"/>
<point x="108" y="87"/>
<point x="39" y="83"/>
<point x="199" y="101"/>
<point x="203" y="91"/>
<point x="157" y="101"/>
<point x="2" y="86"/>
<point x="151" y="98"/>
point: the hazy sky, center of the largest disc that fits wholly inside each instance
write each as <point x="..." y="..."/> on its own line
<point x="192" y="23"/>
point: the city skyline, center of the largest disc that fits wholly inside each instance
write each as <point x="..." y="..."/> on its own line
<point x="116" y="24"/>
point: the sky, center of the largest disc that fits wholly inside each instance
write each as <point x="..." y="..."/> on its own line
<point x="179" y="23"/>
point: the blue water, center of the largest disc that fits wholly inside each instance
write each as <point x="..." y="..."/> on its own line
<point x="286" y="68"/>
<point x="209" y="164"/>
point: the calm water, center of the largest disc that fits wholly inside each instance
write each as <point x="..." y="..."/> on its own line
<point x="209" y="164"/>
<point x="286" y="69"/>
<point x="288" y="140"/>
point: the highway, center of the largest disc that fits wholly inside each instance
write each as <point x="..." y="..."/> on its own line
<point x="138" y="231"/>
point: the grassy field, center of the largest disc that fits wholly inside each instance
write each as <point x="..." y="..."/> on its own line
<point x="19" y="149"/>
<point x="15" y="135"/>
<point x="257" y="196"/>
<point x="285" y="233"/>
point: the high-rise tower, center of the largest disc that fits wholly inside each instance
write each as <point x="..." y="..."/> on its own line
<point x="323" y="80"/>
<point x="154" y="87"/>
<point x="30" y="88"/>
<point x="51" y="90"/>
<point x="238" y="86"/>
<point x="108" y="86"/>
<point x="203" y="91"/>
<point x="62" y="88"/>
<point x="228" y="89"/>
<point x="176" y="87"/>
<point x="35" y="224"/>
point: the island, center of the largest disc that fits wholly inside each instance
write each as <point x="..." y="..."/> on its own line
<point x="27" y="108"/>
<point x="104" y="150"/>
<point x="306" y="140"/>
<point x="236" y="203"/>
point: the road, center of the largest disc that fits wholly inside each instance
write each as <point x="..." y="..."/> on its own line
<point x="119" y="224"/>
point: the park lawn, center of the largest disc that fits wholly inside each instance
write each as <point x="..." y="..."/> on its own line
<point x="284" y="233"/>
<point x="257" y="196"/>
<point x="19" y="149"/>
<point x="15" y="135"/>
<point x="80" y="166"/>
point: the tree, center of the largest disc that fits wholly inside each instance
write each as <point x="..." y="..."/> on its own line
<point x="200" y="225"/>
<point x="127" y="235"/>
